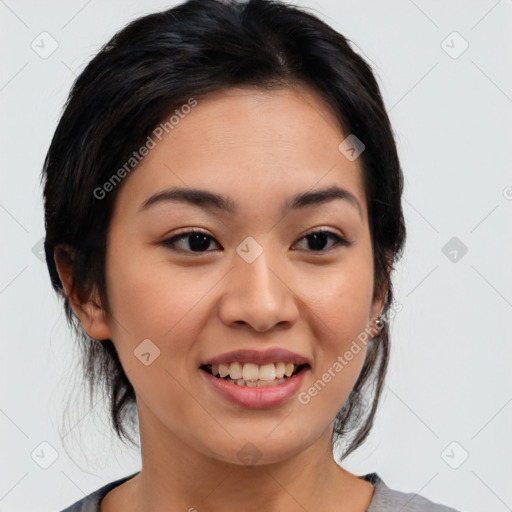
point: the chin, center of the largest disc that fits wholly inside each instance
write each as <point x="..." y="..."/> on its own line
<point x="260" y="451"/>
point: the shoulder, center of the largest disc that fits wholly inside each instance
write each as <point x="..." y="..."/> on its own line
<point x="388" y="500"/>
<point x="91" y="502"/>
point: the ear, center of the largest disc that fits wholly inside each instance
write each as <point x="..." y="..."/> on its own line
<point x="88" y="310"/>
<point x="380" y="301"/>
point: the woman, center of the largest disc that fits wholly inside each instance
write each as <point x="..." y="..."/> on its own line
<point x="223" y="212"/>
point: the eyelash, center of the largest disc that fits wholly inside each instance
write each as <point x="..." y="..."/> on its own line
<point x="169" y="243"/>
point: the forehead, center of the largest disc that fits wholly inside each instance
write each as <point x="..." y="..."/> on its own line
<point x="251" y="145"/>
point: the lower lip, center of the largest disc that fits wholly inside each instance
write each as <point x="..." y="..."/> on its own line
<point x="257" y="397"/>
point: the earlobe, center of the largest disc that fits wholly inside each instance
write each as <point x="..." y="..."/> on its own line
<point x="88" y="310"/>
<point x="375" y="320"/>
<point x="94" y="320"/>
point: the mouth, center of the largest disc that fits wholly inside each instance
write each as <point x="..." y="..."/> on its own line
<point x="254" y="375"/>
<point x="255" y="378"/>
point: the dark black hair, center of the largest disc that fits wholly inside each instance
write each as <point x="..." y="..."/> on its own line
<point x="138" y="79"/>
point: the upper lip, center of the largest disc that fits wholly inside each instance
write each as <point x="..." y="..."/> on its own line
<point x="259" y="357"/>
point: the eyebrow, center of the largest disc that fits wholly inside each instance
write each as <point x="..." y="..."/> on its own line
<point x="212" y="201"/>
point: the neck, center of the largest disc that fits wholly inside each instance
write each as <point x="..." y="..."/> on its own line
<point x="175" y="474"/>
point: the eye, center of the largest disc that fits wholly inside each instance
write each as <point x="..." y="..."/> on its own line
<point x="198" y="241"/>
<point x="318" y="239"/>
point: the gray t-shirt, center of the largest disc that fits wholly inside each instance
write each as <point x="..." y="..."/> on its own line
<point x="384" y="499"/>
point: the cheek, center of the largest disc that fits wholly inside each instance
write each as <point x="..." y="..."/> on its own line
<point x="148" y="298"/>
<point x="340" y="349"/>
<point x="155" y="300"/>
<point x="339" y="298"/>
<point x="148" y="303"/>
<point x="338" y="309"/>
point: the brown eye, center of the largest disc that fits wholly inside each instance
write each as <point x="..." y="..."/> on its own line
<point x="318" y="239"/>
<point x="197" y="241"/>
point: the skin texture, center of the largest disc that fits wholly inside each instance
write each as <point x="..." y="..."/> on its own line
<point x="258" y="148"/>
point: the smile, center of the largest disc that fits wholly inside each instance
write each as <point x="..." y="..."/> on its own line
<point x="253" y="375"/>
<point x="253" y="391"/>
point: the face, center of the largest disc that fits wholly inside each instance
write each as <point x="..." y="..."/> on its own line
<point x="255" y="279"/>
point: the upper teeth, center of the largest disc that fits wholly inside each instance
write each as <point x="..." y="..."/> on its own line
<point x="251" y="371"/>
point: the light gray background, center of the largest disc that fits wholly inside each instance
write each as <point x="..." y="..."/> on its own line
<point x="448" y="380"/>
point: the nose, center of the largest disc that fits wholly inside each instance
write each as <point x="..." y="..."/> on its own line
<point x="258" y="294"/>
